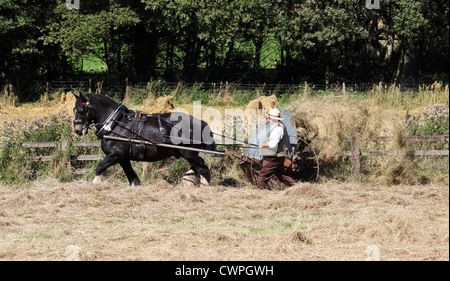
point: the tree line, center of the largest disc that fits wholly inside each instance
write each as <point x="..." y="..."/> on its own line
<point x="274" y="41"/>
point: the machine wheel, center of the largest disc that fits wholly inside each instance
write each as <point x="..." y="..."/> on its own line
<point x="306" y="162"/>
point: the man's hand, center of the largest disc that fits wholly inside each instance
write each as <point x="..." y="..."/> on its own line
<point x="262" y="145"/>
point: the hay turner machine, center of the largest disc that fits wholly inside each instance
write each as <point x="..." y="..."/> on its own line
<point x="302" y="165"/>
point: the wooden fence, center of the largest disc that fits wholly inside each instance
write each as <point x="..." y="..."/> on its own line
<point x="63" y="146"/>
<point x="355" y="153"/>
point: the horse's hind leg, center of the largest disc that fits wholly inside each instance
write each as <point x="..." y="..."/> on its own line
<point x="199" y="166"/>
<point x="133" y="179"/>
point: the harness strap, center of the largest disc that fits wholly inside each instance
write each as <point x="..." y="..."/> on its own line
<point x="161" y="129"/>
<point x="78" y="122"/>
<point x="137" y="125"/>
<point x="110" y="122"/>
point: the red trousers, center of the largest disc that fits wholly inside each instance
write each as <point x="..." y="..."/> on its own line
<point x="273" y="165"/>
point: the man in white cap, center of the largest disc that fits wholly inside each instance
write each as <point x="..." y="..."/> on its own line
<point x="275" y="149"/>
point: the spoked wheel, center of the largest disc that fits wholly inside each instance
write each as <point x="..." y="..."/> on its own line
<point x="252" y="170"/>
<point x="306" y="162"/>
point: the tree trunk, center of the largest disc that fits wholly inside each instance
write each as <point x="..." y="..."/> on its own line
<point x="230" y="51"/>
<point x="168" y="72"/>
<point x="143" y="50"/>
<point x="211" y="64"/>
<point x="408" y="69"/>
<point x="190" y="61"/>
<point x="257" y="60"/>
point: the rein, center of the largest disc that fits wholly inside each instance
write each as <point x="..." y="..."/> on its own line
<point x="108" y="123"/>
<point x="83" y="120"/>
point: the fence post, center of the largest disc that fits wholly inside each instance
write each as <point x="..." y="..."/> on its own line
<point x="356" y="166"/>
<point x="17" y="86"/>
<point x="64" y="145"/>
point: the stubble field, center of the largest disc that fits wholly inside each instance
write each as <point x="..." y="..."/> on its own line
<point x="389" y="215"/>
<point x="48" y="220"/>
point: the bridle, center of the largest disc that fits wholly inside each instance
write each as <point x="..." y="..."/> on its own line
<point x="106" y="125"/>
<point x="83" y="118"/>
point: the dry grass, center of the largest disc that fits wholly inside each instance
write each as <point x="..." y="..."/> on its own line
<point x="7" y="97"/>
<point x="337" y="119"/>
<point x="328" y="221"/>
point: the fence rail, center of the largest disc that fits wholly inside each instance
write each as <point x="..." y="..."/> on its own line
<point x="355" y="153"/>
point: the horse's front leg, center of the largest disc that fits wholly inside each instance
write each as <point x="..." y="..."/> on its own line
<point x="133" y="179"/>
<point x="109" y="160"/>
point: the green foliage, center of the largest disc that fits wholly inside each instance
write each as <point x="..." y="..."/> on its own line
<point x="176" y="170"/>
<point x="434" y="121"/>
<point x="228" y="40"/>
<point x="430" y="127"/>
<point x="81" y="35"/>
<point x="197" y="93"/>
<point x="17" y="164"/>
<point x="14" y="164"/>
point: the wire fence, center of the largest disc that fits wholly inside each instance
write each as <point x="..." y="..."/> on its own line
<point x="25" y="88"/>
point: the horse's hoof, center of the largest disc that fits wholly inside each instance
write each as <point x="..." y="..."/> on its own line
<point x="204" y="181"/>
<point x="98" y="179"/>
<point x="190" y="179"/>
<point x="135" y="183"/>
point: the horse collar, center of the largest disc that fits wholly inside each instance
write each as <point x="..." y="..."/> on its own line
<point x="110" y="122"/>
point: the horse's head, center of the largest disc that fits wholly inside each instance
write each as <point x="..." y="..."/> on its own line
<point x="83" y="115"/>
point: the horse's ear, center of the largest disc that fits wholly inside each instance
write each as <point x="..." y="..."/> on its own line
<point x="78" y="97"/>
<point x="88" y="104"/>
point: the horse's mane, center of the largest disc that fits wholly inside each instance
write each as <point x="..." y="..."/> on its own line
<point x="102" y="99"/>
<point x="105" y="101"/>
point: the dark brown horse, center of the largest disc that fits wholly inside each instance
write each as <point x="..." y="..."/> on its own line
<point x="114" y="119"/>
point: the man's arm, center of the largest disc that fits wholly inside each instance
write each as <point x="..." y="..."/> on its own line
<point x="275" y="136"/>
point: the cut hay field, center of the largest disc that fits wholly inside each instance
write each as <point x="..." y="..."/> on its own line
<point x="399" y="207"/>
<point x="330" y="221"/>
